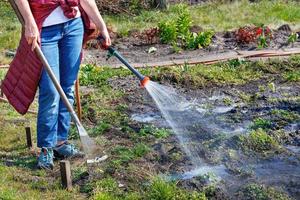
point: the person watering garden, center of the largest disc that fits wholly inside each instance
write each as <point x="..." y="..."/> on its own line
<point x="60" y="27"/>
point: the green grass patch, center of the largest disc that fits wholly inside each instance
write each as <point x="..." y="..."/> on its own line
<point x="124" y="154"/>
<point x="293" y="76"/>
<point x="154" y="131"/>
<point x="159" y="189"/>
<point x="10" y="30"/>
<point x="289" y="116"/>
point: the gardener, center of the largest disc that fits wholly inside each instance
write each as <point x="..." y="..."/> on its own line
<point x="58" y="26"/>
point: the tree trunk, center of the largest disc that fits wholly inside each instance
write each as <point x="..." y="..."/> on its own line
<point x="161" y="4"/>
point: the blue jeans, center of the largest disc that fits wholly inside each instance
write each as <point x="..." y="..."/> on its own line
<point x="61" y="45"/>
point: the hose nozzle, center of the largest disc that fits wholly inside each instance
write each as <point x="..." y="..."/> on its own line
<point x="145" y="81"/>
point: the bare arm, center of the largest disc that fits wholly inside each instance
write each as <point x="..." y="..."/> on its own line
<point x="31" y="30"/>
<point x="92" y="11"/>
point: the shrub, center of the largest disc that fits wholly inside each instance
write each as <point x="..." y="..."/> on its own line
<point x="167" y="32"/>
<point x="178" y="31"/>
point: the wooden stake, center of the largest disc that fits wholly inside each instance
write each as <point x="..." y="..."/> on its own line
<point x="28" y="137"/>
<point x="65" y="171"/>
<point x="78" y="102"/>
<point x="1" y="92"/>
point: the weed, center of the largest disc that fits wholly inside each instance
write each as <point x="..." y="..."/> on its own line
<point x="125" y="154"/>
<point x="260" y="192"/>
<point x="289" y="116"/>
<point x="161" y="190"/>
<point x="227" y="101"/>
<point x="167" y="32"/>
<point x="156" y="132"/>
<point x="293" y="38"/>
<point x="104" y="196"/>
<point x="261" y="123"/>
<point x="259" y="141"/>
<point x="272" y="87"/>
<point x="253" y="34"/>
<point x="100" y="129"/>
<point x="178" y="31"/>
<point x="140" y="150"/>
<point x="293" y="76"/>
<point x="107" y="185"/>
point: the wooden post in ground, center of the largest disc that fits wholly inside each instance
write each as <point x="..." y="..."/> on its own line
<point x="78" y="102"/>
<point x="65" y="171"/>
<point x="28" y="137"/>
<point x="1" y="92"/>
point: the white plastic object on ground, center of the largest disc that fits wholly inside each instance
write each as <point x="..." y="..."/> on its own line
<point x="96" y="159"/>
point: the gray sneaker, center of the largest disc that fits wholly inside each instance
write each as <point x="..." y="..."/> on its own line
<point x="67" y="150"/>
<point x="45" y="159"/>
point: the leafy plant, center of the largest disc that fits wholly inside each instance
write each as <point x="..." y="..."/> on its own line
<point x="293" y="38"/>
<point x="253" y="34"/>
<point x="156" y="132"/>
<point x="261" y="123"/>
<point x="167" y="32"/>
<point x="177" y="32"/>
<point x="259" y="140"/>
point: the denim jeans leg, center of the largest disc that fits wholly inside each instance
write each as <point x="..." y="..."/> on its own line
<point x="48" y="95"/>
<point x="69" y="54"/>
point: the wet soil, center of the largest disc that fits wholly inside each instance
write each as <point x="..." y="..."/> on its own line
<point x="220" y="116"/>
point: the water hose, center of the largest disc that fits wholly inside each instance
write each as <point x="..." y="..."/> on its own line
<point x="113" y="52"/>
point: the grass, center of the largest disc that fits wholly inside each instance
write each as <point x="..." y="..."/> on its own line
<point x="123" y="155"/>
<point x="292" y="76"/>
<point x="226" y="73"/>
<point x="216" y="16"/>
<point x="10" y="29"/>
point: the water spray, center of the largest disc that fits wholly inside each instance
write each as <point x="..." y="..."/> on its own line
<point x="144" y="80"/>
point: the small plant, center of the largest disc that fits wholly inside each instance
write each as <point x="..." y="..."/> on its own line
<point x="162" y="190"/>
<point x="125" y="154"/>
<point x="251" y="34"/>
<point x="293" y="38"/>
<point x="272" y="87"/>
<point x="261" y="123"/>
<point x="245" y="35"/>
<point x="156" y="132"/>
<point x="167" y="32"/>
<point x="293" y="76"/>
<point x="264" y="35"/>
<point x="260" y="192"/>
<point x="100" y="129"/>
<point x="259" y="141"/>
<point x="199" y="40"/>
<point x="178" y="32"/>
<point x="140" y="150"/>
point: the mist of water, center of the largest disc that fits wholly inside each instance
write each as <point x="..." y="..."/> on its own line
<point x="187" y="122"/>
